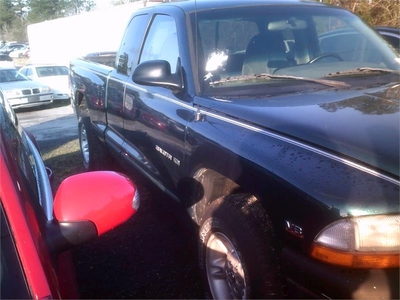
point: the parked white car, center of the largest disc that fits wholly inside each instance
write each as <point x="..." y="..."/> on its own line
<point x="23" y="92"/>
<point x="11" y="47"/>
<point x="55" y="76"/>
<point x="19" y="53"/>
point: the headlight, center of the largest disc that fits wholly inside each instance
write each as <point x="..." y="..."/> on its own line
<point x="360" y="242"/>
<point x="13" y="93"/>
<point x="46" y="89"/>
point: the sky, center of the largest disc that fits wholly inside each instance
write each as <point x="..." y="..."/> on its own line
<point x="103" y="3"/>
<point x="88" y="30"/>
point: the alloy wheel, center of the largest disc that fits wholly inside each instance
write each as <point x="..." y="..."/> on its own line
<point x="224" y="269"/>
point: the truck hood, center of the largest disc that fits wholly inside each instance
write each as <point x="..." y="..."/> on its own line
<point x="359" y="124"/>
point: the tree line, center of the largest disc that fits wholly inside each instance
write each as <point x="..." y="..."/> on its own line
<point x="375" y="12"/>
<point x="16" y="15"/>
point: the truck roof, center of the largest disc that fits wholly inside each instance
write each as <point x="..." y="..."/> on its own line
<point x="198" y="5"/>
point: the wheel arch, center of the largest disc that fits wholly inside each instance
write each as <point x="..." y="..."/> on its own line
<point x="214" y="172"/>
<point x="210" y="185"/>
<point x="225" y="173"/>
<point x="81" y="104"/>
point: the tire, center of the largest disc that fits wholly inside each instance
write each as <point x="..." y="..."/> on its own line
<point x="94" y="153"/>
<point x="237" y="251"/>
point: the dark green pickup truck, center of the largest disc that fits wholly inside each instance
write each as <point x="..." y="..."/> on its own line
<point x="276" y="130"/>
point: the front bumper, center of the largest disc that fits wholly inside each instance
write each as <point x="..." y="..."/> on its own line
<point x="308" y="278"/>
<point x="31" y="100"/>
<point x="61" y="95"/>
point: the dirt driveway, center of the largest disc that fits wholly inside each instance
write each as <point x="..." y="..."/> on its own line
<point x="152" y="256"/>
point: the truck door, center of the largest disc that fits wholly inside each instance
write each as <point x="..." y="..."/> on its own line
<point x="154" y="117"/>
<point x="127" y="57"/>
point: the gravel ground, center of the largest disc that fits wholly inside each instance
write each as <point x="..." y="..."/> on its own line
<point x="152" y="256"/>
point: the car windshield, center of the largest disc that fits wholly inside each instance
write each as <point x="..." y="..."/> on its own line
<point x="285" y="45"/>
<point x="51" y="71"/>
<point x="11" y="75"/>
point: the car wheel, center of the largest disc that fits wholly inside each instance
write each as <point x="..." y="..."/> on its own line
<point x="94" y="153"/>
<point x="237" y="251"/>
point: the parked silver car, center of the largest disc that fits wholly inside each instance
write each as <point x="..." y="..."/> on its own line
<point x="23" y="92"/>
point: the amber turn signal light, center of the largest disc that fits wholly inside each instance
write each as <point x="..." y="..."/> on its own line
<point x="355" y="259"/>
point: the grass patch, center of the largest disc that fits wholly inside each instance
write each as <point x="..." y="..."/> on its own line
<point x="375" y="12"/>
<point x="64" y="158"/>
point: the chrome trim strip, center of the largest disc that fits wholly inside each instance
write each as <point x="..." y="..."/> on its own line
<point x="304" y="146"/>
<point x="381" y="32"/>
<point x="177" y="102"/>
<point x="151" y="178"/>
<point x="116" y="138"/>
<point x="136" y="154"/>
<point x="43" y="182"/>
<point x="133" y="86"/>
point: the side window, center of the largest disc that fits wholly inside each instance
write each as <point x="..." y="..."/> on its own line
<point x="131" y="42"/>
<point x="162" y="42"/>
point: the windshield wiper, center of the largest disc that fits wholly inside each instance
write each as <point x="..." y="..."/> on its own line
<point x="264" y="76"/>
<point x="362" y="71"/>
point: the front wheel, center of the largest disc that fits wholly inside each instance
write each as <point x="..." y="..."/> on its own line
<point x="94" y="154"/>
<point x="237" y="250"/>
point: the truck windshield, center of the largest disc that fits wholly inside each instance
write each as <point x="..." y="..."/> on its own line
<point x="238" y="45"/>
